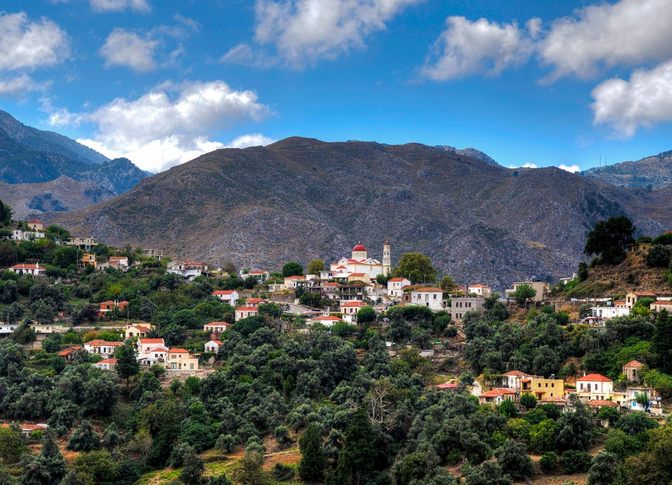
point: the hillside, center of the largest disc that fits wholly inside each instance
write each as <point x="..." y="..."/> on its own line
<point x="61" y="194"/>
<point x="654" y="172"/>
<point x="302" y="198"/>
<point x="29" y="155"/>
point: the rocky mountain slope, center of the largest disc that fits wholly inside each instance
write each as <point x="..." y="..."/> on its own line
<point x="29" y="156"/>
<point x="651" y="172"/>
<point x="61" y="194"/>
<point x="302" y="198"/>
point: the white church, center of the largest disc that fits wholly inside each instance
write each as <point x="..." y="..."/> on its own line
<point x="360" y="263"/>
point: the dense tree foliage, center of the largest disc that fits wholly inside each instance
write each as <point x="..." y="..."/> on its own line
<point x="609" y="240"/>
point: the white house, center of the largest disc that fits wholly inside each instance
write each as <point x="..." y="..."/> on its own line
<point x="213" y="346"/>
<point x="19" y="235"/>
<point x="326" y="320"/>
<point x="609" y="312"/>
<point x="497" y="396"/>
<point x="151" y="351"/>
<point x="187" y="268"/>
<point x="216" y="327"/>
<point x="227" y="296"/>
<point x="594" y="387"/>
<point x="118" y="262"/>
<point x="512" y="379"/>
<point x="260" y="274"/>
<point x="394" y="287"/>
<point x="33" y="269"/>
<point x="660" y="305"/>
<point x="429" y="297"/>
<point x="101" y="347"/>
<point x="294" y="282"/>
<point x="106" y="364"/>
<point x="246" y="312"/>
<point x="479" y="289"/>
<point x="145" y="345"/>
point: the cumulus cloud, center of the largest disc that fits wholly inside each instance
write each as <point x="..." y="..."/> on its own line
<point x="465" y="48"/>
<point x="643" y="100"/>
<point x="251" y="140"/>
<point x="304" y="31"/>
<point x="119" y="5"/>
<point x="168" y="125"/>
<point x="570" y="168"/>
<point x="18" y="85"/>
<point x="624" y="33"/>
<point x="29" y="45"/>
<point x="124" y="48"/>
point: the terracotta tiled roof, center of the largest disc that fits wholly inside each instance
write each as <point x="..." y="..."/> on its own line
<point x="634" y="363"/>
<point x="254" y="300"/>
<point x="327" y="318"/>
<point x="223" y="292"/>
<point x="501" y="391"/>
<point x="448" y="385"/>
<point x="177" y="350"/>
<point x="108" y="361"/>
<point x="147" y="341"/>
<point x="593" y="378"/>
<point x="217" y="324"/>
<point x="396" y="280"/>
<point x="26" y="266"/>
<point x="600" y="403"/>
<point x="352" y="304"/>
<point x="516" y="373"/>
<point x="247" y="309"/>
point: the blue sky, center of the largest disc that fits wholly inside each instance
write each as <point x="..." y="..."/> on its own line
<point x="526" y="81"/>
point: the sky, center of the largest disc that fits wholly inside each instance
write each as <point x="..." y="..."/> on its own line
<point x="571" y="83"/>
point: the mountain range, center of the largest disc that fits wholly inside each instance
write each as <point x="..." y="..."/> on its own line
<point x="652" y="172"/>
<point x="30" y="156"/>
<point x="303" y="198"/>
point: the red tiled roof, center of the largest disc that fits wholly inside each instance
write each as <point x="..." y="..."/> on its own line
<point x="357" y="274"/>
<point x="247" y="309"/>
<point x="397" y="280"/>
<point x="554" y="399"/>
<point x="478" y="285"/>
<point x="332" y="283"/>
<point x="662" y="302"/>
<point x="67" y="351"/>
<point x="217" y="324"/>
<point x="359" y="247"/>
<point x="177" y="350"/>
<point x="218" y="342"/>
<point x="223" y="292"/>
<point x="254" y="300"/>
<point x="516" y="373"/>
<point x="599" y="403"/>
<point x="26" y="266"/>
<point x="108" y="361"/>
<point x="634" y="363"/>
<point x="501" y="391"/>
<point x="295" y="278"/>
<point x="644" y="293"/>
<point x="151" y="341"/>
<point x="329" y="318"/>
<point x="351" y="304"/>
<point x="594" y="378"/>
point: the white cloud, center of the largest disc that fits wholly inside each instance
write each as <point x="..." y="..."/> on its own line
<point x="30" y="45"/>
<point x="643" y="100"/>
<point x="525" y="165"/>
<point x="304" y="31"/>
<point x="251" y="140"/>
<point x="627" y="32"/>
<point x="119" y="5"/>
<point x="168" y="125"/>
<point x="467" y="47"/>
<point x="18" y="85"/>
<point x="570" y="168"/>
<point x="124" y="48"/>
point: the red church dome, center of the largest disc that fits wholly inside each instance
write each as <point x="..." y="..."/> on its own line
<point x="359" y="247"/>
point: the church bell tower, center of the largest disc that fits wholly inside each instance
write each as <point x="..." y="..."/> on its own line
<point x="387" y="258"/>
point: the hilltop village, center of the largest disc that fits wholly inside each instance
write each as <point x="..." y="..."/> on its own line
<point x="179" y="368"/>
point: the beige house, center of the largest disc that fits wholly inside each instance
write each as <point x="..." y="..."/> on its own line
<point x="246" y="312"/>
<point x="632" y="297"/>
<point x="497" y="396"/>
<point x="137" y="330"/>
<point x="461" y="305"/>
<point x="541" y="289"/>
<point x="633" y="371"/>
<point x="181" y="360"/>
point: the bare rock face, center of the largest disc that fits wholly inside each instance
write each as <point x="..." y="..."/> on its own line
<point x="303" y="198"/>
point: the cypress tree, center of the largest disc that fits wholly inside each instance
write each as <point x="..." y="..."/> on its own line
<point x="311" y="468"/>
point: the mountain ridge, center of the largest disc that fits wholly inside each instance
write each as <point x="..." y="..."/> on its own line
<point x="302" y="198"/>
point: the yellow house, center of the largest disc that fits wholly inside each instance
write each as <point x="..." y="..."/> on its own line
<point x="89" y="259"/>
<point x="181" y="359"/>
<point x="542" y="388"/>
